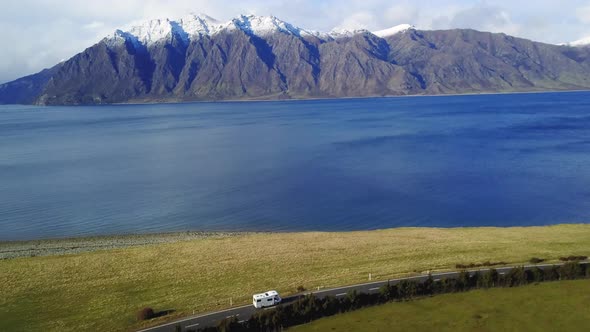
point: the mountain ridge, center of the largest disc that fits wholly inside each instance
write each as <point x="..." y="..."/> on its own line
<point x="262" y="57"/>
<point x="198" y="25"/>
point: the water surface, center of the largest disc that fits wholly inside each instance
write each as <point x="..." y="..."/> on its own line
<point x="331" y="165"/>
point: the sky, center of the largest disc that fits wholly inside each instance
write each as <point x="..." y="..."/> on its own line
<point x="38" y="34"/>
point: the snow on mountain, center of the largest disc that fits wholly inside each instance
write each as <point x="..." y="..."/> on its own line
<point x="266" y="25"/>
<point x="394" y="30"/>
<point x="200" y="25"/>
<point x="344" y="32"/>
<point x="195" y="26"/>
<point x="119" y="37"/>
<point x="152" y="31"/>
<point x="579" y="43"/>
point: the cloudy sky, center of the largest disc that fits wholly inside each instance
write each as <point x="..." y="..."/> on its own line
<point x="39" y="33"/>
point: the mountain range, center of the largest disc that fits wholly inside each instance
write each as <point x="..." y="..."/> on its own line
<point x="258" y="57"/>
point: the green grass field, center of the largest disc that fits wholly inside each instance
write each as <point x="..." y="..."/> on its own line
<point x="103" y="290"/>
<point x="552" y="306"/>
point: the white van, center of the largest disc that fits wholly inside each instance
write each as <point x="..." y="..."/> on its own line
<point x="267" y="299"/>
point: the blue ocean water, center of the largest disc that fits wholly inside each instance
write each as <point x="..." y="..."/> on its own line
<point x="331" y="165"/>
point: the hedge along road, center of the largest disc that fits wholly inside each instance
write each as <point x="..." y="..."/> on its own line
<point x="245" y="312"/>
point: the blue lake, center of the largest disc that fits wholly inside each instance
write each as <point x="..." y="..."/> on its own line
<point x="330" y="165"/>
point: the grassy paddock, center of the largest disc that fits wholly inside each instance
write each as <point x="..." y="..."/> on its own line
<point x="103" y="290"/>
<point x="552" y="306"/>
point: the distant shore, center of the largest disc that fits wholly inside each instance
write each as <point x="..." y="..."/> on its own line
<point x="52" y="247"/>
<point x="277" y="98"/>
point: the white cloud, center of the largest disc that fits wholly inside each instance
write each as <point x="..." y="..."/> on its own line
<point x="583" y="14"/>
<point x="93" y="25"/>
<point x="402" y="13"/>
<point x="357" y="21"/>
<point x="479" y="17"/>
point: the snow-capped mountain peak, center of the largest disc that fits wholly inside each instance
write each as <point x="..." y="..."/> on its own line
<point x="148" y="32"/>
<point x="200" y="24"/>
<point x="192" y="25"/>
<point x="266" y="25"/>
<point x="394" y="30"/>
<point x="345" y="32"/>
<point x="152" y="31"/>
<point x="195" y="26"/>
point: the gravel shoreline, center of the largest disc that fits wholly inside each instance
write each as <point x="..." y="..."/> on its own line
<point x="10" y="250"/>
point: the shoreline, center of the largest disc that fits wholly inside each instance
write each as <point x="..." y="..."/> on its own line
<point x="327" y="98"/>
<point x="73" y="245"/>
<point x="77" y="245"/>
<point x="295" y="99"/>
<point x="266" y="99"/>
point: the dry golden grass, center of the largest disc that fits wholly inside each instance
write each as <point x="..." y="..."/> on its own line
<point x="103" y="290"/>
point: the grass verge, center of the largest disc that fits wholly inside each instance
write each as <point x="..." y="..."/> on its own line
<point x="104" y="290"/>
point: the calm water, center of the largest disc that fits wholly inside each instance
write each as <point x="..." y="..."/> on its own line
<point x="282" y="166"/>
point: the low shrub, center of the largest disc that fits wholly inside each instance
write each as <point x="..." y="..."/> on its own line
<point x="537" y="274"/>
<point x="146" y="314"/>
<point x="489" y="279"/>
<point x="230" y="324"/>
<point x="515" y="277"/>
<point x="571" y="270"/>
<point x="204" y="329"/>
<point x="573" y="258"/>
<point x="300" y="289"/>
<point x="551" y="274"/>
<point x="536" y="260"/>
<point x="484" y="264"/>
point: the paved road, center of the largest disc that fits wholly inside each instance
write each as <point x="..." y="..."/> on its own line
<point x="245" y="312"/>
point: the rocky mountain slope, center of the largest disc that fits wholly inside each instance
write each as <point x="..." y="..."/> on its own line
<point x="251" y="57"/>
